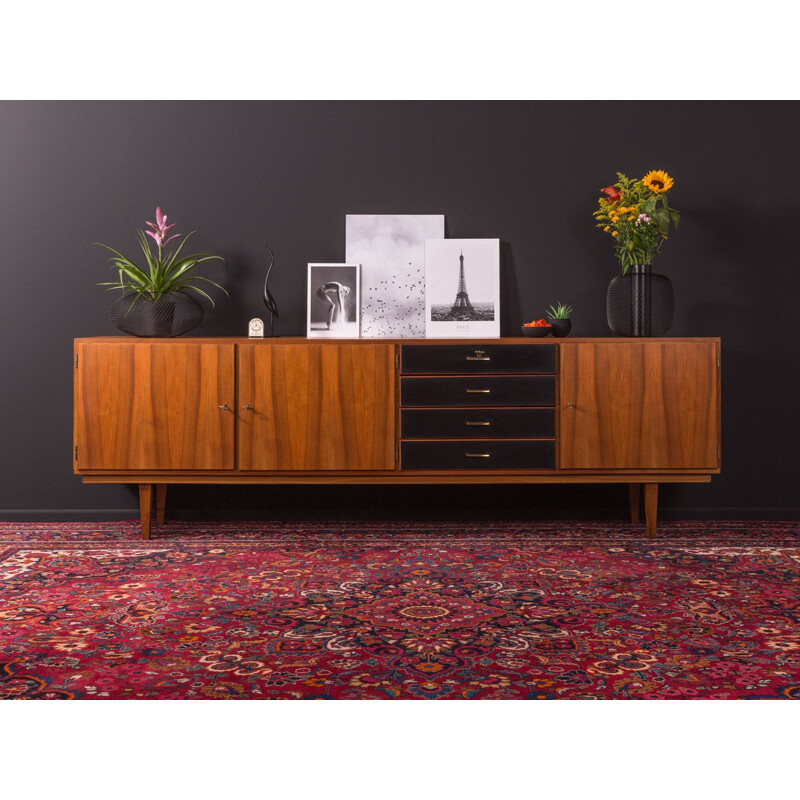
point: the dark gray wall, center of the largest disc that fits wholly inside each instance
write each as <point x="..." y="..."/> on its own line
<point x="287" y="173"/>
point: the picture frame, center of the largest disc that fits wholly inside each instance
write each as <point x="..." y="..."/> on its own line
<point x="462" y="288"/>
<point x="391" y="251"/>
<point x="333" y="301"/>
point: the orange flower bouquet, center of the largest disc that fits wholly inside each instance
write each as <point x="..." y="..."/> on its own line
<point x="637" y="215"/>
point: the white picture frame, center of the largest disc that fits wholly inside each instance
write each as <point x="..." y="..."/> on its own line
<point x="462" y="288"/>
<point x="333" y="301"/>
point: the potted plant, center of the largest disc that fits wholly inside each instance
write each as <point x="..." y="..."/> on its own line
<point x="637" y="215"/>
<point x="559" y="316"/>
<point x="153" y="302"/>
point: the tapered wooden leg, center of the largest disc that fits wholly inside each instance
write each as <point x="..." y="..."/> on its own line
<point x="161" y="502"/>
<point x="145" y="507"/>
<point x="634" y="492"/>
<point x="651" y="508"/>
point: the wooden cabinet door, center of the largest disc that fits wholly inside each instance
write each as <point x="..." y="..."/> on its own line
<point x="143" y="406"/>
<point x="639" y="405"/>
<point x="316" y="407"/>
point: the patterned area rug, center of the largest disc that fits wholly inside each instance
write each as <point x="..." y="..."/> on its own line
<point x="512" y="611"/>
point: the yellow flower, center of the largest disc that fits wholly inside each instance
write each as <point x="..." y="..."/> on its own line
<point x="606" y="229"/>
<point x="615" y="233"/>
<point x="631" y="218"/>
<point x="658" y="181"/>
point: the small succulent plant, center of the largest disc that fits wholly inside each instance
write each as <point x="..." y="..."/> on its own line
<point x="559" y="311"/>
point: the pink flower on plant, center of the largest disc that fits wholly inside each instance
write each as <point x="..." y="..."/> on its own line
<point x="161" y="229"/>
<point x="642" y="218"/>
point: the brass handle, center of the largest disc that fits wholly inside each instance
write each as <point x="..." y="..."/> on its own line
<point x="224" y="407"/>
<point x="478" y="358"/>
<point x="470" y="424"/>
<point x="479" y="391"/>
<point x="478" y="455"/>
<point x="247" y="407"/>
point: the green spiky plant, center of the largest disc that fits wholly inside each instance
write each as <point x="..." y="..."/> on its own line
<point x="559" y="311"/>
<point x="165" y="272"/>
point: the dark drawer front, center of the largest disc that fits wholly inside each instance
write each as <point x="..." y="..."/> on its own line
<point x="481" y="359"/>
<point x="484" y="455"/>
<point x="490" y="423"/>
<point x="478" y="391"/>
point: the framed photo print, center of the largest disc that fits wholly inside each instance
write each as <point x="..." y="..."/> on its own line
<point x="391" y="251"/>
<point x="462" y="288"/>
<point x="333" y="301"/>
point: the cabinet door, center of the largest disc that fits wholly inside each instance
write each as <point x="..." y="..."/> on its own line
<point x="639" y="405"/>
<point x="142" y="406"/>
<point x="316" y="407"/>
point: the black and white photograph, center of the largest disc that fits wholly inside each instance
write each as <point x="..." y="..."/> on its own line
<point x="391" y="251"/>
<point x="333" y="301"/>
<point x="462" y="298"/>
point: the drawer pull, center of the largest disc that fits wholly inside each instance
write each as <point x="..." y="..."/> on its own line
<point x="479" y="391"/>
<point x="478" y="358"/>
<point x="478" y="455"/>
<point x="472" y="424"/>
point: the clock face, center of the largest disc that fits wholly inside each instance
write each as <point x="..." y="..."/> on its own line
<point x="256" y="324"/>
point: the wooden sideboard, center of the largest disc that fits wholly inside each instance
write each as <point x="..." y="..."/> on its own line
<point x="293" y="410"/>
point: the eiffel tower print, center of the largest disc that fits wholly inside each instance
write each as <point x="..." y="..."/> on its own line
<point x="462" y="308"/>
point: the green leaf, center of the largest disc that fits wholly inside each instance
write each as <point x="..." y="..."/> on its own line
<point x="174" y="254"/>
<point x="193" y="278"/>
<point x="199" y="291"/>
<point x="661" y="217"/>
<point x="151" y="262"/>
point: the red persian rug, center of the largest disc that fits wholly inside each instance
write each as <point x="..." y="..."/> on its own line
<point x="538" y="611"/>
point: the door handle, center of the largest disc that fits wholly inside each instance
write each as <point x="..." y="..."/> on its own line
<point x="478" y="455"/>
<point x="478" y="358"/>
<point x="224" y="407"/>
<point x="469" y="424"/>
<point x="479" y="391"/>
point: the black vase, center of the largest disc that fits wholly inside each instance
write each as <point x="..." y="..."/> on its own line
<point x="640" y="303"/>
<point x="170" y="315"/>
<point x="560" y="327"/>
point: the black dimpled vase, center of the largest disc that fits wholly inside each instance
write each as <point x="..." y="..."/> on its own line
<point x="640" y="303"/>
<point x="170" y="315"/>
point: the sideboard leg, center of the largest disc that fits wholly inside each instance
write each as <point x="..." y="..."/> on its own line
<point x="634" y="492"/>
<point x="161" y="502"/>
<point x="145" y="507"/>
<point x="651" y="508"/>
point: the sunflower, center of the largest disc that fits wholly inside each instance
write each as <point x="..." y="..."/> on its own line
<point x="658" y="181"/>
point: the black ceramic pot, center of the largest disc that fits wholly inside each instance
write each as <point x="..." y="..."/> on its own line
<point x="170" y="315"/>
<point x="640" y="303"/>
<point x="561" y="327"/>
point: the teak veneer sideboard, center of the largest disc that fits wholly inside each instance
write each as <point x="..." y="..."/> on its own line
<point x="304" y="411"/>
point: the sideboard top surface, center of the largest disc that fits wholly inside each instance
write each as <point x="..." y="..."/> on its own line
<point x="323" y="340"/>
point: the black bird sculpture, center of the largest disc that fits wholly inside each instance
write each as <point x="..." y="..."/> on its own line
<point x="269" y="300"/>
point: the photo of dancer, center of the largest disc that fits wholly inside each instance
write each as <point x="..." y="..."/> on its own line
<point x="333" y="300"/>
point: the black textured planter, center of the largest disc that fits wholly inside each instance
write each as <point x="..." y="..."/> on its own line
<point x="640" y="303"/>
<point x="561" y="327"/>
<point x="171" y="315"/>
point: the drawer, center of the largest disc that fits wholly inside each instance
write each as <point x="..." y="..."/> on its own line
<point x="489" y="423"/>
<point x="483" y="455"/>
<point x="538" y="390"/>
<point x="466" y="359"/>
